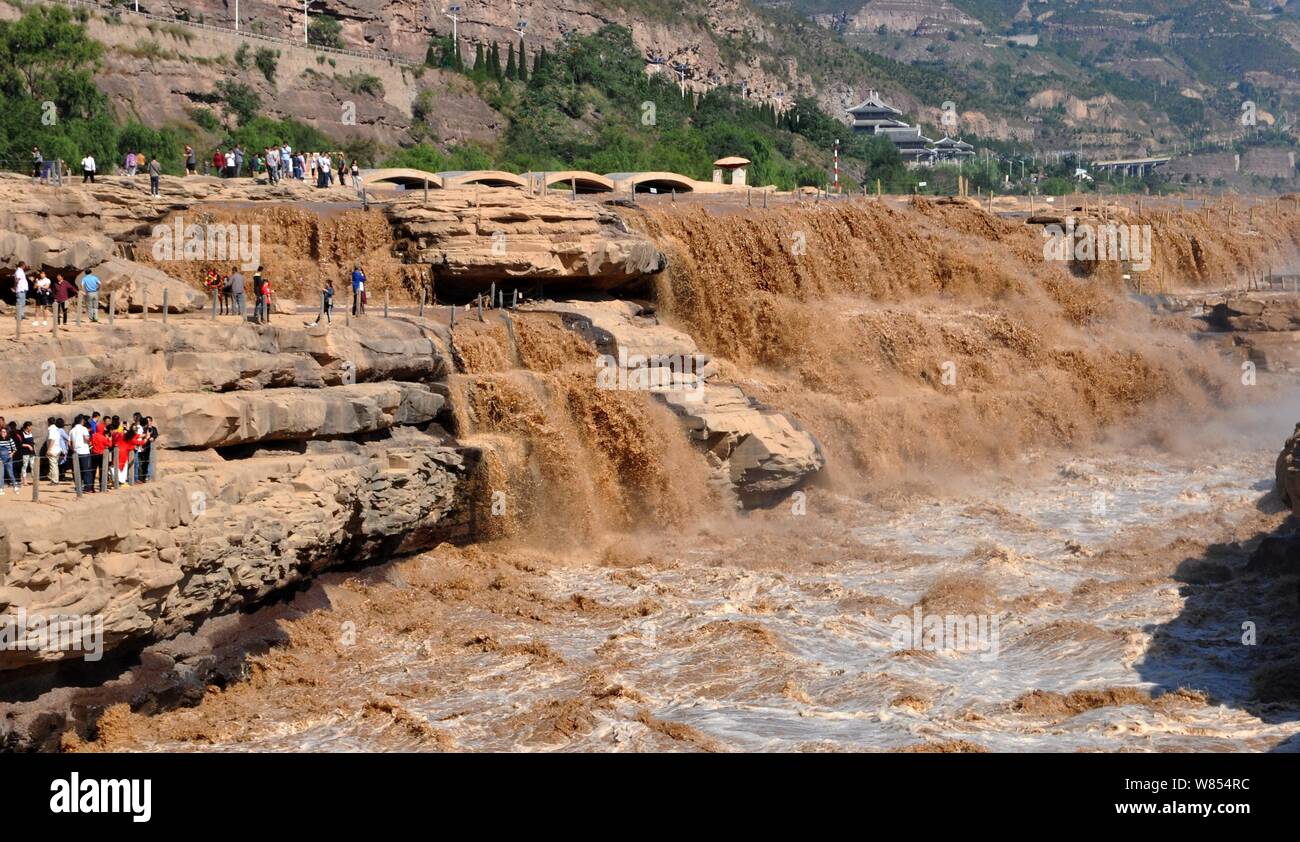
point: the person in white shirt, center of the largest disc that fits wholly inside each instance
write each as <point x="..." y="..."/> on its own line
<point x="88" y="169"/>
<point x="44" y="290"/>
<point x="80" y="439"/>
<point x="54" y="447"/>
<point x="20" y="288"/>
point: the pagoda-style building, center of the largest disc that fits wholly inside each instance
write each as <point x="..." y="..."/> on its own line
<point x="877" y="117"/>
<point x="875" y="114"/>
<point x="952" y="149"/>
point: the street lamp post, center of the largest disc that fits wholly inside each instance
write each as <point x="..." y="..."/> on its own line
<point x="454" y="13"/>
<point x="681" y="76"/>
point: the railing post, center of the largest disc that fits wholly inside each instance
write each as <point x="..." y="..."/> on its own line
<point x="144" y="303"/>
<point x="37" y="459"/>
<point x="385" y="303"/>
<point x="103" y="469"/>
<point x="18" y="322"/>
<point x="164" y="310"/>
<point x="112" y="307"/>
<point x="76" y="472"/>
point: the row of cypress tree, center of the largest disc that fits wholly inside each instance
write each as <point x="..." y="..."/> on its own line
<point x="487" y="61"/>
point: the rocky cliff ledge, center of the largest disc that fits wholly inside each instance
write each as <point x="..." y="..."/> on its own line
<point x="287" y="450"/>
<point x="470" y="237"/>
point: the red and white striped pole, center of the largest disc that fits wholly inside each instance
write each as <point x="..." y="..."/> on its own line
<point x="837" y="165"/>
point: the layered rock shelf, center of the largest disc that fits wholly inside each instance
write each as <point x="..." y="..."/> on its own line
<point x="274" y="464"/>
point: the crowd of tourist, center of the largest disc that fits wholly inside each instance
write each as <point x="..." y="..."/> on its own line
<point x="275" y="163"/>
<point x="95" y="448"/>
<point x="280" y="163"/>
<point x="47" y="297"/>
<point x="228" y="290"/>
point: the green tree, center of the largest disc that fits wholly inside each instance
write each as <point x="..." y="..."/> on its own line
<point x="48" y="96"/>
<point x="239" y="99"/>
<point x="325" y="31"/>
<point x="266" y="60"/>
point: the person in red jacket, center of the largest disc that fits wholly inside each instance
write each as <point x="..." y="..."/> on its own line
<point x="219" y="162"/>
<point x="124" y="441"/>
<point x="265" y="293"/>
<point x="99" y="442"/>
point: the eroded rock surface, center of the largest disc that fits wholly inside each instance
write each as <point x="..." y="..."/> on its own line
<point x="763" y="454"/>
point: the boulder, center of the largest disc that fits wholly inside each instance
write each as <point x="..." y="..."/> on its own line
<point x="135" y="286"/>
<point x="474" y="237"/>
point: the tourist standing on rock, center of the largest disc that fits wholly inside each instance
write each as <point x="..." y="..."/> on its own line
<point x="155" y="176"/>
<point x="236" y="283"/>
<point x="63" y="290"/>
<point x="88" y="169"/>
<point x="138" y="439"/>
<point x="191" y="160"/>
<point x="128" y="165"/>
<point x="79" y="440"/>
<point x="8" y="452"/>
<point x="151" y="437"/>
<point x="26" y="440"/>
<point x="90" y="283"/>
<point x="258" y="301"/>
<point x="239" y="160"/>
<point x="227" y="302"/>
<point x="44" y="291"/>
<point x="54" y="448"/>
<point x="327" y="302"/>
<point x="20" y="289"/>
<point x="264" y="293"/>
<point x="124" y="441"/>
<point x="324" y="168"/>
<point x="356" y="173"/>
<point x="358" y="290"/>
<point x="38" y="163"/>
<point x="219" y="163"/>
<point x="221" y="289"/>
<point x="64" y="448"/>
<point x="99" y="443"/>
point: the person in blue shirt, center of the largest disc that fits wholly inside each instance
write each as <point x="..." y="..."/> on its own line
<point x="90" y="283"/>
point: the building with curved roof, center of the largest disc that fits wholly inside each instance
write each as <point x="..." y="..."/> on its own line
<point x="581" y="180"/>
<point x="652" y="182"/>
<point x="411" y="179"/>
<point x="487" y="178"/>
